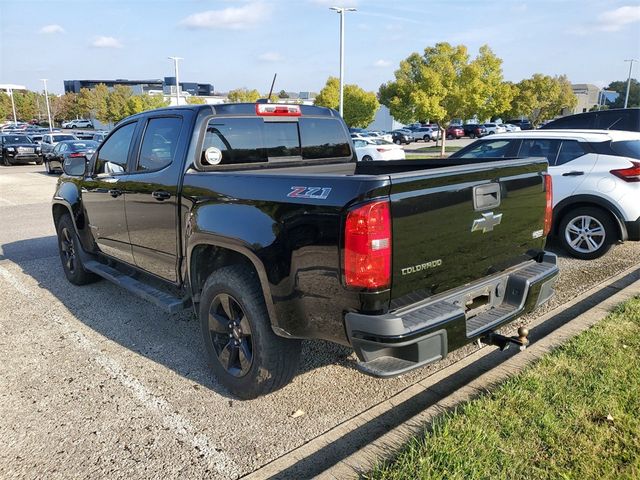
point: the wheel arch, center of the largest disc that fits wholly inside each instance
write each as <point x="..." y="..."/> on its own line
<point x="577" y="201"/>
<point x="206" y="256"/>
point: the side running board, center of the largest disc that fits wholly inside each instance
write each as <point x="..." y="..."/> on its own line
<point x="164" y="300"/>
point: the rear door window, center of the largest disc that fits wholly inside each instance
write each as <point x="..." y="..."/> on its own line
<point x="540" y="148"/>
<point x="159" y="143"/>
<point x="493" y="149"/>
<point x="569" y="150"/>
<point x="627" y="148"/>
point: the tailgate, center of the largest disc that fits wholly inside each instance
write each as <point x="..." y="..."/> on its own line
<point x="454" y="225"/>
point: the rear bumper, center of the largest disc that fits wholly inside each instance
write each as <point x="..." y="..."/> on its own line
<point x="633" y="229"/>
<point x="394" y="343"/>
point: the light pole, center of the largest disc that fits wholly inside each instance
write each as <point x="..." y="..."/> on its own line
<point x="46" y="97"/>
<point x="341" y="11"/>
<point x="626" y="97"/>
<point x="175" y="64"/>
<point x="13" y="106"/>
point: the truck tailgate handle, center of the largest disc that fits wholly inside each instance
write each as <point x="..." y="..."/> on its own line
<point x="486" y="196"/>
<point x="161" y="195"/>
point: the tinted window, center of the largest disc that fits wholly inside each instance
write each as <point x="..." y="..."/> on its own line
<point x="323" y="138"/>
<point x="112" y="157"/>
<point x="569" y="150"/>
<point x="619" y="120"/>
<point x="281" y="139"/>
<point x="159" y="143"/>
<point x="627" y="148"/>
<point x="490" y="149"/>
<point x="16" y="139"/>
<point x="60" y="138"/>
<point x="82" y="146"/>
<point x="540" y="148"/>
<point x="239" y="139"/>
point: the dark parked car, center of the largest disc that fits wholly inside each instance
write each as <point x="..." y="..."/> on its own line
<point x="66" y="149"/>
<point x="15" y="148"/>
<point x="474" y="130"/>
<point x="273" y="232"/>
<point x="402" y="136"/>
<point x="615" y="119"/>
<point x="455" y="131"/>
<point x="524" y="124"/>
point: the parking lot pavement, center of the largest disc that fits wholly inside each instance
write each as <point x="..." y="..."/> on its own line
<point x="95" y="382"/>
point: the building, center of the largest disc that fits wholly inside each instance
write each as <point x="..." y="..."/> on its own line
<point x="588" y="96"/>
<point x="139" y="87"/>
<point x="384" y="121"/>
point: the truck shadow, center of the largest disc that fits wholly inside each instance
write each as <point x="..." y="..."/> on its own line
<point x="173" y="341"/>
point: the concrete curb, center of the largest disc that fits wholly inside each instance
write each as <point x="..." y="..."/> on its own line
<point x="377" y="434"/>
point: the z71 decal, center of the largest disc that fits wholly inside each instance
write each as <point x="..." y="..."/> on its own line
<point x="317" y="193"/>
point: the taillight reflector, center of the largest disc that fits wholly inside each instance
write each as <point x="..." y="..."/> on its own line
<point x="273" y="110"/>
<point x="548" y="211"/>
<point x="76" y="155"/>
<point x="631" y="174"/>
<point x="367" y="246"/>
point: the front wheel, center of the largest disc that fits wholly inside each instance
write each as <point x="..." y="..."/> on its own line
<point x="47" y="168"/>
<point x="397" y="142"/>
<point x="472" y="135"/>
<point x="426" y="138"/>
<point x="39" y="161"/>
<point x="6" y="162"/>
<point x="70" y="249"/>
<point x="449" y="137"/>
<point x="587" y="232"/>
<point x="246" y="356"/>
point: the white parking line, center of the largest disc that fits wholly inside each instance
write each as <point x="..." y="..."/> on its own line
<point x="8" y="202"/>
<point x="180" y="426"/>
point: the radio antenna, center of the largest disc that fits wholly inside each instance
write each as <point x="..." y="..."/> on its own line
<point x="272" y="84"/>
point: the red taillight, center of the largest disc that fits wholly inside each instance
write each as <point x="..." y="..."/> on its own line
<point x="631" y="174"/>
<point x="367" y="246"/>
<point x="272" y="110"/>
<point x="548" y="211"/>
<point x="74" y="155"/>
<point x="382" y="150"/>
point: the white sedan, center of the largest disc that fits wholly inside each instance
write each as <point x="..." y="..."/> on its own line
<point x="377" y="149"/>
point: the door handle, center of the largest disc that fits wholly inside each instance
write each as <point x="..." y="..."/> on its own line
<point x="574" y="173"/>
<point x="115" y="193"/>
<point x="161" y="195"/>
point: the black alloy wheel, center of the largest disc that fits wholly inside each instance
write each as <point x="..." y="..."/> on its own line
<point x="67" y="250"/>
<point x="231" y="336"/>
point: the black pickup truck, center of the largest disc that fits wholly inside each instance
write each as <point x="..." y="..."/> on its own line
<point x="259" y="217"/>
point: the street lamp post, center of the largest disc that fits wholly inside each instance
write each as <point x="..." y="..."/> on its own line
<point x="626" y="97"/>
<point x="175" y="64"/>
<point x="13" y="106"/>
<point x="46" y="97"/>
<point x="341" y="11"/>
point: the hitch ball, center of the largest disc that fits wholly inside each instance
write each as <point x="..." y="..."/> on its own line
<point x="523" y="333"/>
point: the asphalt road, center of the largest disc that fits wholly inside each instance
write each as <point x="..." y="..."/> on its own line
<point x="97" y="383"/>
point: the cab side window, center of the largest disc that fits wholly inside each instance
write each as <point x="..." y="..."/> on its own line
<point x="540" y="148"/>
<point x="114" y="153"/>
<point x="159" y="143"/>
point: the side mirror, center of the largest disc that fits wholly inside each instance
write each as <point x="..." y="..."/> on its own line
<point x="74" y="166"/>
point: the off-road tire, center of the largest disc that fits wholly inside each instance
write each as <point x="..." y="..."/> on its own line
<point x="274" y="359"/>
<point x="67" y="237"/>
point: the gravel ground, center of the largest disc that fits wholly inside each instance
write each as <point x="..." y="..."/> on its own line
<point x="95" y="382"/>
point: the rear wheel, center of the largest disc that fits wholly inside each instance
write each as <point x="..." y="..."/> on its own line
<point x="39" y="161"/>
<point x="367" y="158"/>
<point x="426" y="138"/>
<point x="587" y="232"/>
<point x="397" y="141"/>
<point x="246" y="356"/>
<point x="449" y="137"/>
<point x="472" y="135"/>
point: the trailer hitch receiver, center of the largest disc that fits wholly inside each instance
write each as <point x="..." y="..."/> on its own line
<point x="503" y="342"/>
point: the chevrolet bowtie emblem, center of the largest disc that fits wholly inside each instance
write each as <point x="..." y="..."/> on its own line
<point x="487" y="222"/>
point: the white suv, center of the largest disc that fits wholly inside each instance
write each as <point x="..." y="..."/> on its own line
<point x="596" y="182"/>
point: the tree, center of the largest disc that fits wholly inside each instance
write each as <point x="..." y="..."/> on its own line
<point x="243" y="95"/>
<point x="26" y="103"/>
<point x="5" y="107"/>
<point x="329" y="96"/>
<point x="360" y="106"/>
<point x="442" y="84"/>
<point x="65" y="107"/>
<point x="621" y="87"/>
<point x="283" y="94"/>
<point x="542" y="97"/>
<point x="94" y="102"/>
<point x="117" y="103"/>
<point x="195" y="101"/>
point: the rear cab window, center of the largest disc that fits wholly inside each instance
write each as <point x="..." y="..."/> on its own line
<point x="245" y="140"/>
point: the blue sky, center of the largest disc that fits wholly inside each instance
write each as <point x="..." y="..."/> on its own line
<point x="241" y="43"/>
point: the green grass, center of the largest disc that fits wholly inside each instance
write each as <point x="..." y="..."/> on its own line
<point x="575" y="414"/>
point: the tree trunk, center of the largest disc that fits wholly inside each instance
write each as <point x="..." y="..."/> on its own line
<point x="443" y="132"/>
